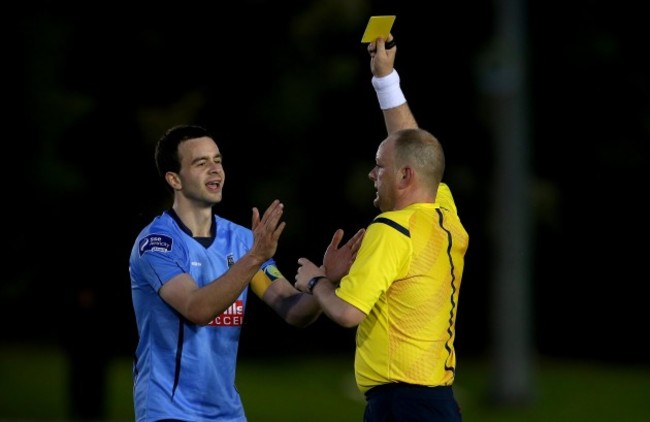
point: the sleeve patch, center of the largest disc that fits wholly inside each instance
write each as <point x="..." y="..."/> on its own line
<point x="155" y="243"/>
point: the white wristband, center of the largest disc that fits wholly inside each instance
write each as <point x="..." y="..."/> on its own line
<point x="388" y="90"/>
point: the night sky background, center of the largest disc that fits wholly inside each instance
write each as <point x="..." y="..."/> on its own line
<point x="285" y="88"/>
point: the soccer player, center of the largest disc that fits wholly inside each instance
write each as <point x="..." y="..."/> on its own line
<point x="190" y="272"/>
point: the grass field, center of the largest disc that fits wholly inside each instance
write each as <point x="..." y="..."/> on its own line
<point x="32" y="388"/>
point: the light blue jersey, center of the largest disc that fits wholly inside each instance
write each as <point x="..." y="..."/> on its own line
<point x="182" y="370"/>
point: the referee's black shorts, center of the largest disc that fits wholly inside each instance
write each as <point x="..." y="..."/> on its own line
<point x="400" y="402"/>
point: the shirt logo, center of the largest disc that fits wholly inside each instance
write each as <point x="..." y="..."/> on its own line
<point x="232" y="317"/>
<point x="155" y="243"/>
<point x="272" y="272"/>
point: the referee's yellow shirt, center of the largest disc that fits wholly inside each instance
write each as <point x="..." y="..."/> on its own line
<point x="406" y="279"/>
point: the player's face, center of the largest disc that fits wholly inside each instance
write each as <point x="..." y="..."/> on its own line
<point x="202" y="175"/>
<point x="383" y="176"/>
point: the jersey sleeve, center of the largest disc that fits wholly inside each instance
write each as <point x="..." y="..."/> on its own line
<point x="380" y="260"/>
<point x="160" y="259"/>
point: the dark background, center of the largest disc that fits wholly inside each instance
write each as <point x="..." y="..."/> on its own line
<point x="285" y="87"/>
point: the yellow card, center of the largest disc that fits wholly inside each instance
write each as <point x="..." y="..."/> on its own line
<point x="378" y="26"/>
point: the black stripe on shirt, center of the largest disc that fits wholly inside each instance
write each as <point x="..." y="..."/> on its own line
<point x="393" y="224"/>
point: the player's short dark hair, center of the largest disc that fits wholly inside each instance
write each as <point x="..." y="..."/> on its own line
<point x="166" y="154"/>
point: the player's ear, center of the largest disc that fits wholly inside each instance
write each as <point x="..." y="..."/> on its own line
<point x="173" y="180"/>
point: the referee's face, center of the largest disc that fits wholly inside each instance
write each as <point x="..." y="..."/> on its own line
<point x="383" y="176"/>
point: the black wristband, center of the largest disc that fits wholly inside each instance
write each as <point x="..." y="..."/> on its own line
<point x="312" y="283"/>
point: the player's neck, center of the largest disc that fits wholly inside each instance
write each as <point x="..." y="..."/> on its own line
<point x="197" y="219"/>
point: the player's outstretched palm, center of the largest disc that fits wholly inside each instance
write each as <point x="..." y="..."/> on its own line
<point x="267" y="230"/>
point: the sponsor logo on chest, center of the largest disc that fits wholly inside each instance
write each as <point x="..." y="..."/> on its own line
<point x="233" y="316"/>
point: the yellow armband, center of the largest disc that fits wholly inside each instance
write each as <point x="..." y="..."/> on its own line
<point x="263" y="279"/>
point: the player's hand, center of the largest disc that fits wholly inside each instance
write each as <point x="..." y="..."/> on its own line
<point x="338" y="260"/>
<point x="267" y="230"/>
